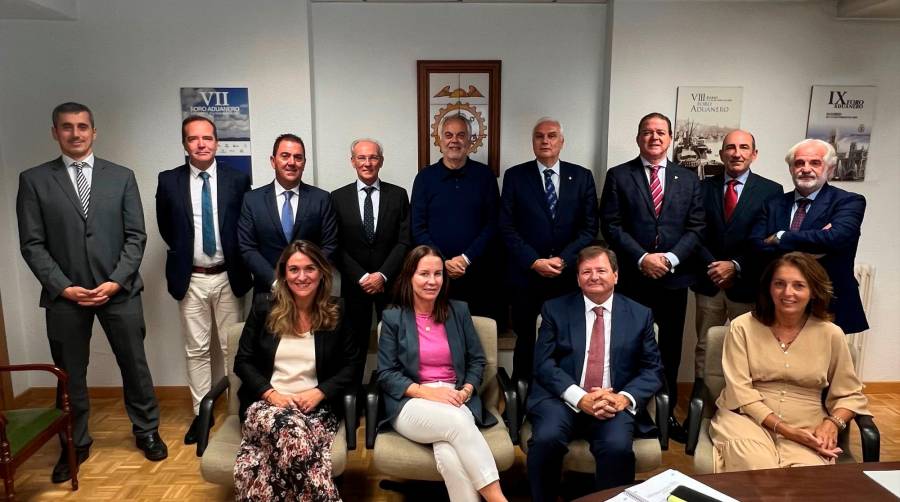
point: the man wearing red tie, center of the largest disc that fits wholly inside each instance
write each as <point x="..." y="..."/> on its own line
<point x="651" y="214"/>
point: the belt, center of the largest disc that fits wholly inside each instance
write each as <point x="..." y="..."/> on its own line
<point x="216" y="269"/>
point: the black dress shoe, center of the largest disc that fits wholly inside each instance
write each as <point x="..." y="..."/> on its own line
<point x="193" y="432"/>
<point x="61" y="471"/>
<point x="153" y="447"/>
<point x="676" y="431"/>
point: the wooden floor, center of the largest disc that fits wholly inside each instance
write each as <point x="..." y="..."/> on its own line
<point x="116" y="470"/>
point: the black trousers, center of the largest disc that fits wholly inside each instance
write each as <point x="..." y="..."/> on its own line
<point x="69" y="329"/>
<point x="359" y="306"/>
<point x="526" y="306"/>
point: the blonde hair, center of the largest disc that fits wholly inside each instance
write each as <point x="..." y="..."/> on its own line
<point x="284" y="315"/>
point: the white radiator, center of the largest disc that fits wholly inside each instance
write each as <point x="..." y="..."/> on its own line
<point x="865" y="275"/>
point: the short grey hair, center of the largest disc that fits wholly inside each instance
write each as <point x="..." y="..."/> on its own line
<point x="366" y="140"/>
<point x="550" y="120"/>
<point x="830" y="158"/>
<point x="457" y="116"/>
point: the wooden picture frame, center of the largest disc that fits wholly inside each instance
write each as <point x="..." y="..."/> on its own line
<point x="468" y="88"/>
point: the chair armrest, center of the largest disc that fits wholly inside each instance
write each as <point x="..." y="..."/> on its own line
<point x="206" y="413"/>
<point x="60" y="374"/>
<point x="373" y="397"/>
<point x="662" y="419"/>
<point x="512" y="410"/>
<point x="869" y="437"/>
<point x="351" y="419"/>
<point x="695" y="416"/>
<point x="522" y="395"/>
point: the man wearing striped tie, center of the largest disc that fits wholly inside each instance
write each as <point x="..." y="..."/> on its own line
<point x="81" y="231"/>
<point x="651" y="214"/>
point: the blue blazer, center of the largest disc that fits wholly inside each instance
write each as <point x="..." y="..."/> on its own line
<point x="175" y="218"/>
<point x="528" y="229"/>
<point x="398" y="359"/>
<point x="730" y="240"/>
<point x="631" y="227"/>
<point x="261" y="239"/>
<point x="559" y="351"/>
<point x="844" y="211"/>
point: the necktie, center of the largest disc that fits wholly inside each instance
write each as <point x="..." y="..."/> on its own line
<point x="369" y="215"/>
<point x="551" y="192"/>
<point x="656" y="192"/>
<point x="287" y="216"/>
<point x="593" y="376"/>
<point x="799" y="214"/>
<point x="206" y="216"/>
<point x="84" y="190"/>
<point x="731" y="198"/>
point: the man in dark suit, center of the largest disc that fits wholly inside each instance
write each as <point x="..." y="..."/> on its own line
<point x="727" y="269"/>
<point x="373" y="218"/>
<point x="548" y="214"/>
<point x="454" y="208"/>
<point x="281" y="212"/>
<point x="651" y="213"/>
<point x="820" y="219"/>
<point x="596" y="365"/>
<point x="81" y="231"/>
<point x="197" y="208"/>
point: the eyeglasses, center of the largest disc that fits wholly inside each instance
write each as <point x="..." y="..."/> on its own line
<point x="370" y="158"/>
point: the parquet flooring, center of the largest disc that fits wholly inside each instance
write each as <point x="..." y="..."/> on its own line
<point x="116" y="470"/>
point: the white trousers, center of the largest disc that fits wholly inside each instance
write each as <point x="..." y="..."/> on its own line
<point x="713" y="311"/>
<point x="208" y="302"/>
<point x="462" y="455"/>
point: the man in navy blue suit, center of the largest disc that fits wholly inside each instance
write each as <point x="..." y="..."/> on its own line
<point x="197" y="208"/>
<point x="548" y="213"/>
<point x="596" y="365"/>
<point x="651" y="214"/>
<point x="820" y="219"/>
<point x="281" y="212"/>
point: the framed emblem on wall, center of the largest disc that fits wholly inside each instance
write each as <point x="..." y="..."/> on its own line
<point x="467" y="88"/>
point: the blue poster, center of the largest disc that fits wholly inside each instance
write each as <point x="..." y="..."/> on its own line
<point x="229" y="109"/>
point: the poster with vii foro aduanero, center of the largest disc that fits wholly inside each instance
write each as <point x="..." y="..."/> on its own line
<point x="703" y="116"/>
<point x="843" y="116"/>
<point x="229" y="109"/>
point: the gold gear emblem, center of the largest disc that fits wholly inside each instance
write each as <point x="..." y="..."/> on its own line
<point x="476" y="120"/>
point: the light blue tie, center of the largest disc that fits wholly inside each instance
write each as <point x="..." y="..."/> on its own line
<point x="206" y="212"/>
<point x="287" y="216"/>
<point x="551" y="192"/>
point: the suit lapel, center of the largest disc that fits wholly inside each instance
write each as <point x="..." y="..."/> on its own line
<point x="98" y="180"/>
<point x="183" y="185"/>
<point x="223" y="193"/>
<point x="457" y="350"/>
<point x="411" y="341"/>
<point x="383" y="198"/>
<point x="617" y="336"/>
<point x="61" y="175"/>
<point x="718" y="207"/>
<point x="272" y="209"/>
<point x="577" y="331"/>
<point x="302" y="207"/>
<point x="746" y="195"/>
<point x="783" y="216"/>
<point x="535" y="181"/>
<point x="669" y="190"/>
<point x="817" y="209"/>
<point x="640" y="181"/>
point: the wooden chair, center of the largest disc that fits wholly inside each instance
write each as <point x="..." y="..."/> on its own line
<point x="24" y="431"/>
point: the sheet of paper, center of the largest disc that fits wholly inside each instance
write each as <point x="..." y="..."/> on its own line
<point x="658" y="488"/>
<point x="890" y="480"/>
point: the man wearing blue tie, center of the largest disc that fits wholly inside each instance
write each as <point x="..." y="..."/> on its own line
<point x="197" y="208"/>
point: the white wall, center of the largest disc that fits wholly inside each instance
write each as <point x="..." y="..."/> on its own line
<point x="127" y="60"/>
<point x="364" y="61"/>
<point x="776" y="52"/>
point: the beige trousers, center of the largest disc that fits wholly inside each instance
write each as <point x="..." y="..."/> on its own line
<point x="713" y="311"/>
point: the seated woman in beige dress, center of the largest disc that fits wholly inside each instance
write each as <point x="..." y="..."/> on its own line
<point x="777" y="360"/>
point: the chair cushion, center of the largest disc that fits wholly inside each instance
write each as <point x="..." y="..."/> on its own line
<point x="23" y="425"/>
<point x="703" y="455"/>
<point x="647" y="453"/>
<point x="217" y="464"/>
<point x="396" y="456"/>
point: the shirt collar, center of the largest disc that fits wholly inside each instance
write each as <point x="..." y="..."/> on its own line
<point x="542" y="167"/>
<point x="647" y="163"/>
<point x="742" y="179"/>
<point x="280" y="189"/>
<point x="360" y="185"/>
<point x="589" y="305"/>
<point x="811" y="196"/>
<point x="211" y="170"/>
<point x="87" y="161"/>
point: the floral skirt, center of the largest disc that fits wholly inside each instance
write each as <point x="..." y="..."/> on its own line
<point x="286" y="455"/>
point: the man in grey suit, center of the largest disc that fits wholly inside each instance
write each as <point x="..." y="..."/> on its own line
<point x="81" y="231"/>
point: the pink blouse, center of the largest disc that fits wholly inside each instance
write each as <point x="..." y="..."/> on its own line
<point x="435" y="361"/>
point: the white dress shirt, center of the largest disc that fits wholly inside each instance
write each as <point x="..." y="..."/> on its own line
<point x="573" y="394"/>
<point x="87" y="169"/>
<point x="200" y="258"/>
<point x="279" y="199"/>
<point x="554" y="176"/>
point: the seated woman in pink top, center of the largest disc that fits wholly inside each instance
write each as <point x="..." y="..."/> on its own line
<point x="430" y="364"/>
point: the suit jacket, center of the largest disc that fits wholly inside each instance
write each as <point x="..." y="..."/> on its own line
<point x="559" y="351"/>
<point x="398" y="359"/>
<point x="528" y="229"/>
<point x="730" y="240"/>
<point x="63" y="247"/>
<point x="631" y="227"/>
<point x="844" y="211"/>
<point x="175" y="218"/>
<point x="357" y="256"/>
<point x="337" y="360"/>
<point x="261" y="239"/>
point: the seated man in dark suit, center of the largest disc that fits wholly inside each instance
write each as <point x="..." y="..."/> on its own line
<point x="596" y="365"/>
<point x="281" y="212"/>
<point x="373" y="217"/>
<point x="821" y="219"/>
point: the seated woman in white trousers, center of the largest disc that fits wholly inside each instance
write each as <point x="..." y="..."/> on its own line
<point x="430" y="364"/>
